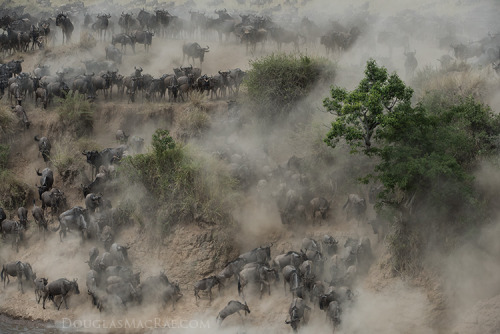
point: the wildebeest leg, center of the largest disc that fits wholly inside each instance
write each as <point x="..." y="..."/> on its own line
<point x="63" y="300"/>
<point x="44" y="298"/>
<point x="196" y="296"/>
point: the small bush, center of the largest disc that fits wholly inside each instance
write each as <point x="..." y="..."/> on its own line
<point x="179" y="189"/>
<point x="276" y="82"/>
<point x="13" y="193"/>
<point x="76" y="114"/>
<point x="8" y="121"/>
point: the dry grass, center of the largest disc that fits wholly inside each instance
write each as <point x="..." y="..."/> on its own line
<point x="8" y="121"/>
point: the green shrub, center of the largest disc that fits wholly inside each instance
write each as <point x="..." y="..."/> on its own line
<point x="277" y="82"/>
<point x="178" y="188"/>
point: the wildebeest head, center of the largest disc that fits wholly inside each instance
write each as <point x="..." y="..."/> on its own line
<point x="138" y="71"/>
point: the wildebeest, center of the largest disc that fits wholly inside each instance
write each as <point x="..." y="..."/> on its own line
<point x="259" y="274"/>
<point x="114" y="54"/>
<point x="102" y="82"/>
<point x="101" y="25"/>
<point x="44" y="147"/>
<point x="329" y="244"/>
<point x="127" y="22"/>
<point x="355" y="207"/>
<point x="104" y="158"/>
<point x="160" y="288"/>
<point x="13" y="228"/>
<point x="290" y="258"/>
<point x="144" y="37"/>
<point x="61" y="287"/>
<point x="119" y="254"/>
<point x="296" y="312"/>
<point x="206" y="284"/>
<point x="232" y="268"/>
<point x="93" y="202"/>
<point x="21" y="115"/>
<point x="310" y="244"/>
<point x="319" y="207"/>
<point x="232" y="307"/>
<point x="22" y="214"/>
<point x="73" y="218"/>
<point x="259" y="255"/>
<point x="55" y="199"/>
<point x="40" y="286"/>
<point x="46" y="180"/>
<point x="67" y="27"/>
<point x="333" y="312"/>
<point x="17" y="269"/>
<point x="411" y="63"/>
<point x="123" y="39"/>
<point x="291" y="276"/>
<point x="39" y="217"/>
<point x="194" y="50"/>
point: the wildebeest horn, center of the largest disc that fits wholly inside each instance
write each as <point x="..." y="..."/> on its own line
<point x="38" y="171"/>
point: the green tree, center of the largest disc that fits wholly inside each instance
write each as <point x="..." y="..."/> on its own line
<point x="360" y="112"/>
<point x="424" y="156"/>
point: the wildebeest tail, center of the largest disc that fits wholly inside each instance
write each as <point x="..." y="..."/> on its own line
<point x="239" y="286"/>
<point x="1" y="273"/>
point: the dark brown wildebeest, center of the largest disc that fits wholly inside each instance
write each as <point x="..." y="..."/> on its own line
<point x="206" y="284"/>
<point x="232" y="268"/>
<point x="61" y="287"/>
<point x="46" y="180"/>
<point x="232" y="307"/>
<point x="39" y="217"/>
<point x="22" y="214"/>
<point x="296" y="312"/>
<point x="44" y="147"/>
<point x="40" y="286"/>
<point x="67" y="27"/>
<point x="194" y="50"/>
<point x="73" y="218"/>
<point x="259" y="274"/>
<point x="17" y="269"/>
<point x="55" y="199"/>
<point x="13" y="228"/>
<point x="260" y="255"/>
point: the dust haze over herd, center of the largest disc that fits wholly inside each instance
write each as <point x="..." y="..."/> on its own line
<point x="458" y="289"/>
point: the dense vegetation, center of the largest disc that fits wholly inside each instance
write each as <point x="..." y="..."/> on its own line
<point x="12" y="191"/>
<point x="277" y="82"/>
<point x="423" y="155"/>
<point x="182" y="185"/>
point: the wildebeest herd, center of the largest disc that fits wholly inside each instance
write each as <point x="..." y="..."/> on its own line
<point x="318" y="272"/>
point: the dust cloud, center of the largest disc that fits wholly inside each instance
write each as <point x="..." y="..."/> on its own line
<point x="470" y="274"/>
